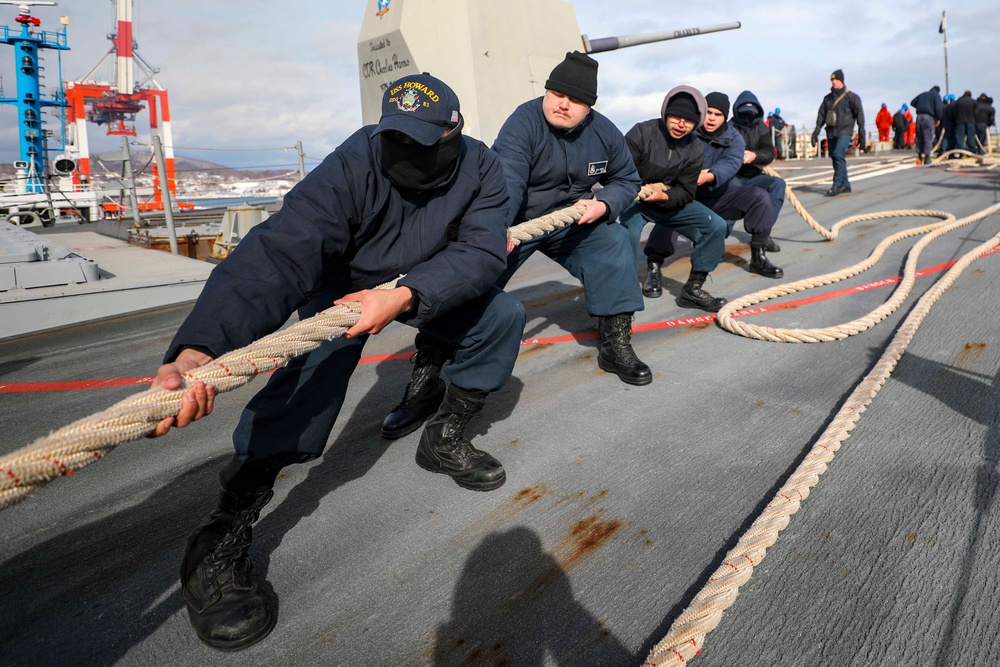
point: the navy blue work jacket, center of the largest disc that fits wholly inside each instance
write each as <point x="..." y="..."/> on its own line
<point x="346" y="226"/>
<point x="548" y="168"/>
<point x="723" y="157"/>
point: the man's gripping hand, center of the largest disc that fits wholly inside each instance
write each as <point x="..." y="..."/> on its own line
<point x="596" y="209"/>
<point x="196" y="403"/>
<point x="378" y="308"/>
<point x="657" y="195"/>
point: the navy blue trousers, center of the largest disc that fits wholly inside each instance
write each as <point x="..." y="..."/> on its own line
<point x="693" y="221"/>
<point x="965" y="137"/>
<point x="599" y="255"/>
<point x="290" y="419"/>
<point x="838" y="154"/>
<point x="925" y="133"/>
<point x="775" y="187"/>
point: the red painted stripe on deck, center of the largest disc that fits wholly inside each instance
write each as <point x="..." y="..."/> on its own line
<point x="74" y="385"/>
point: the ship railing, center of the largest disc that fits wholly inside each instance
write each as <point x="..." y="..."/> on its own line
<point x="45" y="37"/>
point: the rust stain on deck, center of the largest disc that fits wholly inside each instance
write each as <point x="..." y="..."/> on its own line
<point x="970" y="353"/>
<point x="587" y="536"/>
<point x="533" y="349"/>
<point x="531" y="495"/>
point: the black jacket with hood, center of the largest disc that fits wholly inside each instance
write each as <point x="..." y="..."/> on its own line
<point x="755" y="133"/>
<point x="662" y="159"/>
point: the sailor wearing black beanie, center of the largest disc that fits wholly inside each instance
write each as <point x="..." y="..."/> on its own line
<point x="838" y="113"/>
<point x="718" y="101"/>
<point x="555" y="149"/>
<point x="724" y="154"/>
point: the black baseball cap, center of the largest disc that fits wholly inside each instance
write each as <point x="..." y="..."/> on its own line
<point x="420" y="106"/>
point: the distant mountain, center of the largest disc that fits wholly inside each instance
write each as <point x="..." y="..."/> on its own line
<point x="141" y="158"/>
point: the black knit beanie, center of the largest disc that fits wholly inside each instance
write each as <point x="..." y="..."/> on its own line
<point x="575" y="76"/>
<point x="683" y="106"/>
<point x="838" y="75"/>
<point x="718" y="101"/>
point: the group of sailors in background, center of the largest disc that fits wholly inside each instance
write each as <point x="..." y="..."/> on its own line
<point x="946" y="124"/>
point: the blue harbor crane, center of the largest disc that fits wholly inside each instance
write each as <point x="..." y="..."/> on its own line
<point x="28" y="44"/>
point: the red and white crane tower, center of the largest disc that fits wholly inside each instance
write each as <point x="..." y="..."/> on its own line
<point x="116" y="104"/>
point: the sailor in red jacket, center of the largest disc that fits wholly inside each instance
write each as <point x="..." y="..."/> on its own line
<point x="883" y="121"/>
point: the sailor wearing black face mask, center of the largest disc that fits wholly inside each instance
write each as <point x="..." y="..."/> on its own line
<point x="748" y="120"/>
<point x="412" y="166"/>
<point x="410" y="196"/>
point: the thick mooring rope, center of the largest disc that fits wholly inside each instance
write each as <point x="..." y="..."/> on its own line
<point x="969" y="162"/>
<point x="566" y="216"/>
<point x="72" y="447"/>
<point x="726" y="317"/>
<point x="686" y="636"/>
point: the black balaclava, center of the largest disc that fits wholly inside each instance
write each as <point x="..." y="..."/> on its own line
<point x="746" y="115"/>
<point x="412" y="166"/>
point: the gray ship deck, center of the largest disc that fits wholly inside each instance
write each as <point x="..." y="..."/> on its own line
<point x="619" y="502"/>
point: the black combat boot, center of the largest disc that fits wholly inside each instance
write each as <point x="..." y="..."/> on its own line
<point x="693" y="296"/>
<point x="759" y="263"/>
<point x="616" y="354"/>
<point x="771" y="246"/>
<point x="653" y="287"/>
<point x="227" y="608"/>
<point x="443" y="447"/>
<point x="423" y="393"/>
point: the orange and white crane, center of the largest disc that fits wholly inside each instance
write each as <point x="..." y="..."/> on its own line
<point x="116" y="103"/>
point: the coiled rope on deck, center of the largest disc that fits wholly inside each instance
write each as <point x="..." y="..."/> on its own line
<point x="61" y="453"/>
<point x="726" y="317"/>
<point x="969" y="162"/>
<point x="686" y="636"/>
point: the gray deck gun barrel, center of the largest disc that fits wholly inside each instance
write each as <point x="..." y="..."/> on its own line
<point x="611" y="43"/>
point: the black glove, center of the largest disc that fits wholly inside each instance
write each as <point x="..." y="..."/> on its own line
<point x="861" y="143"/>
<point x="815" y="138"/>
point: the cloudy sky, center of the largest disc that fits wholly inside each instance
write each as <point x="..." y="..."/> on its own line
<point x="248" y="74"/>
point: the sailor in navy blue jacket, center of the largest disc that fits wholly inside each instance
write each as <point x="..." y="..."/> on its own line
<point x="549" y="168"/>
<point x="556" y="150"/>
<point x="347" y="226"/>
<point x="360" y="219"/>
<point x="410" y="196"/>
